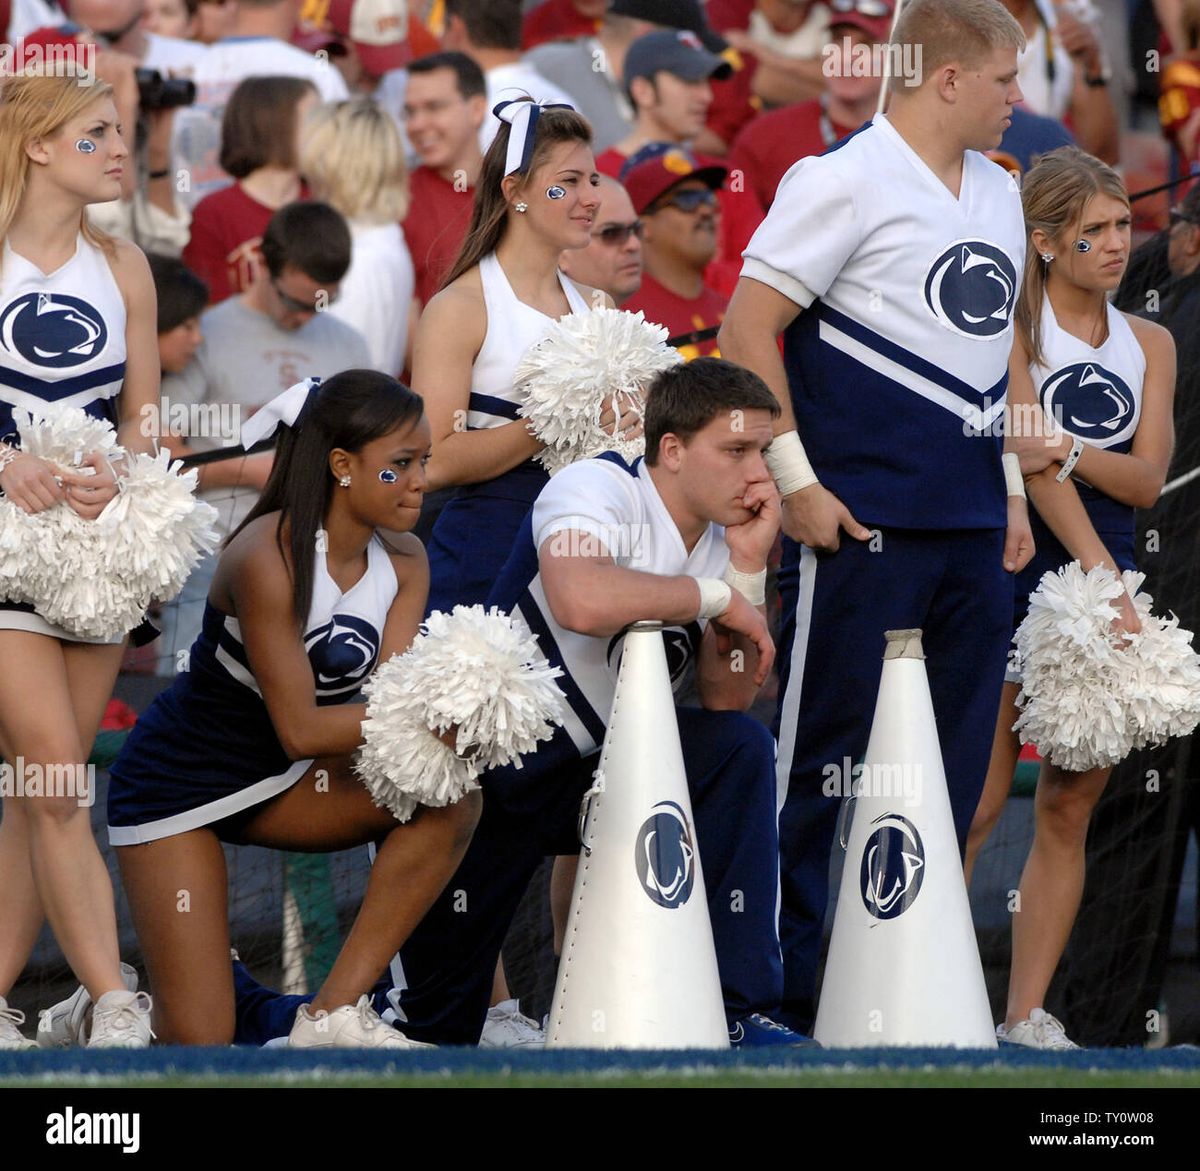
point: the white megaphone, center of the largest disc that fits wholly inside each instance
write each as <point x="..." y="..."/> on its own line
<point x="638" y="967"/>
<point x="903" y="966"/>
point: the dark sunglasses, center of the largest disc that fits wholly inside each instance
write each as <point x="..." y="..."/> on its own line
<point x="1175" y="217"/>
<point x="294" y="306"/>
<point x="617" y="235"/>
<point x="688" y="201"/>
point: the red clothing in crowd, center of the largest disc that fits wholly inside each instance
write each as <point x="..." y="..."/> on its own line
<point x="555" y="20"/>
<point x="437" y="222"/>
<point x="227" y="229"/>
<point x="766" y="149"/>
<point x="679" y="314"/>
<point x="741" y="214"/>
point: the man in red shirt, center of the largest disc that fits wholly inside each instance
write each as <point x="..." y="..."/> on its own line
<point x="561" y="20"/>
<point x="677" y="200"/>
<point x="612" y="262"/>
<point x="444" y="106"/>
<point x="767" y="147"/>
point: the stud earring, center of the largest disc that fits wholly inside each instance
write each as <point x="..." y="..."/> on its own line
<point x="1047" y="256"/>
<point x="344" y="481"/>
<point x="521" y="205"/>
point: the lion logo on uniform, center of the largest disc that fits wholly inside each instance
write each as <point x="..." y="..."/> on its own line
<point x="1089" y="401"/>
<point x="971" y="288"/>
<point x="52" y="330"/>
<point x="342" y="652"/>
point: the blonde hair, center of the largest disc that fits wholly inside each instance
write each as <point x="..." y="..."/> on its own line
<point x="353" y="159"/>
<point x="967" y="31"/>
<point x="1054" y="194"/>
<point x="34" y="104"/>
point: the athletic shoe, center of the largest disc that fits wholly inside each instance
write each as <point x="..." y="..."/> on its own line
<point x="121" y="1020"/>
<point x="353" y="1026"/>
<point x="67" y="1023"/>
<point x="507" y="1027"/>
<point x="755" y="1030"/>
<point x="1040" y="1031"/>
<point x="11" y="1020"/>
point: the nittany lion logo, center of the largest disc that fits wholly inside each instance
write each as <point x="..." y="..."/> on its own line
<point x="342" y="652"/>
<point x="971" y="288"/>
<point x="1090" y="402"/>
<point x="52" y="330"/>
<point x="893" y="867"/>
<point x="664" y="857"/>
<point x="680" y="643"/>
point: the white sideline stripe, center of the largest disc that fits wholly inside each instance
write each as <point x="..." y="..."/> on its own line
<point x="978" y="419"/>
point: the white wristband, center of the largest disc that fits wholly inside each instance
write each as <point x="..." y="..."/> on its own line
<point x="752" y="586"/>
<point x="1071" y="460"/>
<point x="715" y="596"/>
<point x="1013" y="480"/>
<point x="788" y="464"/>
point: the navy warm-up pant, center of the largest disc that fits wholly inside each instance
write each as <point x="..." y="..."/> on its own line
<point x="441" y="981"/>
<point x="952" y="585"/>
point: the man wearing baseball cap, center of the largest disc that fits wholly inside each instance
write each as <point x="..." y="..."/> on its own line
<point x="676" y="197"/>
<point x="767" y="147"/>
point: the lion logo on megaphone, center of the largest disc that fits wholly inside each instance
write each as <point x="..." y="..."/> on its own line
<point x="893" y="867"/>
<point x="664" y="856"/>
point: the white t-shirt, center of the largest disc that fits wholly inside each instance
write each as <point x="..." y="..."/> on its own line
<point x="514" y="81"/>
<point x="173" y="56"/>
<point x="617" y="507"/>
<point x="802" y="43"/>
<point x="376" y="293"/>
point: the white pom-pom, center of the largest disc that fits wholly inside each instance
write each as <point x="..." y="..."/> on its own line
<point x="1088" y="700"/>
<point x="478" y="672"/>
<point x="567" y="377"/>
<point x="96" y="578"/>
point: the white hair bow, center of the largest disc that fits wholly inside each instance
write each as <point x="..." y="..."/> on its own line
<point x="522" y="116"/>
<point x="284" y="408"/>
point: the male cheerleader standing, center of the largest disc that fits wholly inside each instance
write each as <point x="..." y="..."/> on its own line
<point x="890" y="264"/>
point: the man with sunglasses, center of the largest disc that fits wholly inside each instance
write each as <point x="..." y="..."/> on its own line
<point x="677" y="200"/>
<point x="612" y="262"/>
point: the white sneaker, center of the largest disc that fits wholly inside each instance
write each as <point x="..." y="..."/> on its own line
<point x="353" y="1026"/>
<point x="507" y="1027"/>
<point x="121" y="1020"/>
<point x="1040" y="1031"/>
<point x="66" y="1023"/>
<point x="11" y="1020"/>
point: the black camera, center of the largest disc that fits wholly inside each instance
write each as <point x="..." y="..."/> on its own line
<point x="156" y="92"/>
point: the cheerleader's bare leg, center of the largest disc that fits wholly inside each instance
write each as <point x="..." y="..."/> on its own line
<point x="1051" y="884"/>
<point x="49" y="710"/>
<point x="1006" y="748"/>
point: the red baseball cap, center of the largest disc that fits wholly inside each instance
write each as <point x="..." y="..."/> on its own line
<point x="874" y="17"/>
<point x="55" y="37"/>
<point x="378" y="29"/>
<point x="656" y="168"/>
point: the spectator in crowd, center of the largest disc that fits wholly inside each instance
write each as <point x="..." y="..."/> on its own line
<point x="613" y="260"/>
<point x="260" y="136"/>
<point x="1063" y="73"/>
<point x="1179" y="100"/>
<point x="367" y="39"/>
<point x="781" y="42"/>
<point x="444" y="106"/>
<point x="668" y="77"/>
<point x="256" y="344"/>
<point x="120" y="25"/>
<point x="182" y="297"/>
<point x="676" y="198"/>
<point x="354" y="160"/>
<point x="768" y="145"/>
<point x="489" y="32"/>
<point x="172" y="18"/>
<point x="214" y="20"/>
<point x="21" y="17"/>
<point x="561" y="20"/>
<point x="257" y="45"/>
<point x="593" y="68"/>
